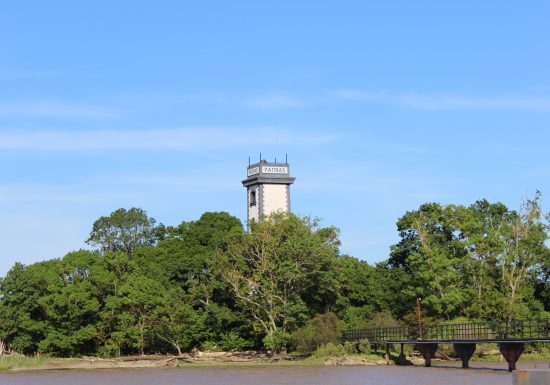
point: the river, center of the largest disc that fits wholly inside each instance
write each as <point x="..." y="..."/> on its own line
<point x="440" y="374"/>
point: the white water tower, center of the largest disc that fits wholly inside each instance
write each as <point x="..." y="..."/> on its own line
<point x="268" y="188"/>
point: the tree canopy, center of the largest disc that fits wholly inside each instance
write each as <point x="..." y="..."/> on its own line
<point x="125" y="230"/>
<point x="209" y="284"/>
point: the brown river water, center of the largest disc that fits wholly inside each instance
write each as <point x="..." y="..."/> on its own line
<point x="440" y="374"/>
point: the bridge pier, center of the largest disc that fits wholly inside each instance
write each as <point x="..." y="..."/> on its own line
<point x="428" y="352"/>
<point x="465" y="352"/>
<point x="511" y="336"/>
<point x="511" y="351"/>
<point x="402" y="357"/>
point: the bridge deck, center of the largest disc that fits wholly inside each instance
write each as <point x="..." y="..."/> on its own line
<point x="528" y="330"/>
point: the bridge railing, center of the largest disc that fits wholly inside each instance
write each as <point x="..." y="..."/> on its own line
<point x="520" y="330"/>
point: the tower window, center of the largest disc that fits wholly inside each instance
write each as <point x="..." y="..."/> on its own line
<point x="253" y="198"/>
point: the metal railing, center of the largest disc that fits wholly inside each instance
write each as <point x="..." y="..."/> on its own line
<point x="516" y="330"/>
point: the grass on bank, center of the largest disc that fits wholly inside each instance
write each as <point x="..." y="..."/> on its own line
<point x="309" y="361"/>
<point x="9" y="362"/>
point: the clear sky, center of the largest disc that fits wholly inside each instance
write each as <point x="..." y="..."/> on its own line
<point x="380" y="106"/>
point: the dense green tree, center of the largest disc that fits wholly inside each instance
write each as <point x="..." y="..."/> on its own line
<point x="321" y="329"/>
<point x="359" y="294"/>
<point x="209" y="284"/>
<point x="175" y="320"/>
<point x="125" y="230"/>
<point x="22" y="322"/>
<point x="430" y="250"/>
<point x="140" y="298"/>
<point x="524" y="252"/>
<point x="272" y="269"/>
<point x="482" y="234"/>
<point x="71" y="308"/>
<point x="198" y="242"/>
<point x="481" y="261"/>
<point x="366" y="290"/>
<point x="184" y="260"/>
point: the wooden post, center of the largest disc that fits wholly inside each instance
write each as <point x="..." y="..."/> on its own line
<point x="387" y="356"/>
<point x="420" y="333"/>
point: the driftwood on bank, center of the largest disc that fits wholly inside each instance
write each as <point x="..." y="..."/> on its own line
<point x="198" y="356"/>
<point x="151" y="361"/>
<point x="353" y="361"/>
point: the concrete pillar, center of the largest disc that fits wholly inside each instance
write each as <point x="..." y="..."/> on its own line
<point x="427" y="351"/>
<point x="511" y="351"/>
<point x="465" y="352"/>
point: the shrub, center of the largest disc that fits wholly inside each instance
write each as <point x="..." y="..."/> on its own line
<point x="330" y="350"/>
<point x="364" y="346"/>
<point x="210" y="346"/>
<point x="321" y="329"/>
<point x="278" y="341"/>
<point x="349" y="348"/>
<point x="233" y="341"/>
<point x="303" y="340"/>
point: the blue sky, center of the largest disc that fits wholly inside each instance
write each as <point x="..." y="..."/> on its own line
<point x="380" y="106"/>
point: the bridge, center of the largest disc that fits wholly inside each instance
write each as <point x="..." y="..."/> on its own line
<point x="510" y="336"/>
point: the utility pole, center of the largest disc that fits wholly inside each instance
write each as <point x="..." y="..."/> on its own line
<point x="418" y="299"/>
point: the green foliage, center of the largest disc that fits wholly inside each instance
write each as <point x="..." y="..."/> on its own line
<point x="320" y="330"/>
<point x="125" y="230"/>
<point x="383" y="319"/>
<point x="209" y="284"/>
<point x="277" y="340"/>
<point x="278" y="273"/>
<point x="17" y="361"/>
<point x="364" y="346"/>
<point x="366" y="290"/>
<point x="233" y="341"/>
<point x="210" y="346"/>
<point x="330" y="350"/>
<point x="21" y="316"/>
<point x="480" y="261"/>
<point x="349" y="348"/>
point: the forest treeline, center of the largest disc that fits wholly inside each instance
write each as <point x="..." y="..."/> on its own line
<point x="209" y="284"/>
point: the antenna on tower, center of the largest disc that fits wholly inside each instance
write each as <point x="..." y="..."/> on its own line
<point x="275" y="160"/>
<point x="286" y="158"/>
<point x="260" y="157"/>
<point x="249" y="161"/>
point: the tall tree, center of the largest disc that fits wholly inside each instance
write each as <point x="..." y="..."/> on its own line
<point x="272" y="269"/>
<point x="483" y="227"/>
<point x="175" y="320"/>
<point x="125" y="230"/>
<point x="22" y="319"/>
<point x="140" y="297"/>
<point x="523" y="253"/>
<point x="72" y="303"/>
<point x="429" y="249"/>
